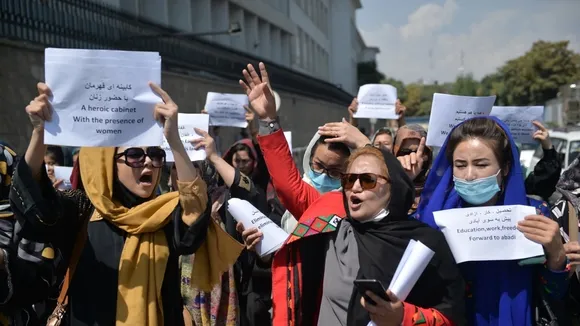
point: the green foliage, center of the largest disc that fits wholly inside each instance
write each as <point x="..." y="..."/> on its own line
<point x="367" y="73"/>
<point x="531" y="79"/>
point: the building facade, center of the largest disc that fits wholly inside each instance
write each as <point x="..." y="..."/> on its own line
<point x="316" y="37"/>
<point x="209" y="60"/>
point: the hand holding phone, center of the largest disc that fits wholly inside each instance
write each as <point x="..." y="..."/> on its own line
<point x="374" y="286"/>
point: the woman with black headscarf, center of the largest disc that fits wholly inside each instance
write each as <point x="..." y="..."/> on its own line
<point x="368" y="244"/>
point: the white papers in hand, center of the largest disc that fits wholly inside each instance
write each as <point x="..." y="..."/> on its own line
<point x="487" y="233"/>
<point x="63" y="173"/>
<point x="226" y="110"/>
<point x="415" y="259"/>
<point x="273" y="236"/>
<point x="102" y="98"/>
<point x="377" y="101"/>
<point x="447" y="111"/>
<point x="186" y="123"/>
<point x="519" y="120"/>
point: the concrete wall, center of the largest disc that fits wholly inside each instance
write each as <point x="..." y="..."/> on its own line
<point x="21" y="67"/>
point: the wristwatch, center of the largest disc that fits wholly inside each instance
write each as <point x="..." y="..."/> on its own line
<point x="269" y="126"/>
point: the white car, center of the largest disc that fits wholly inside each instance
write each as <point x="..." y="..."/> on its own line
<point x="526" y="154"/>
<point x="566" y="142"/>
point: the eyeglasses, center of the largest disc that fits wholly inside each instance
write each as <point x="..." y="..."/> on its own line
<point x="368" y="181"/>
<point x="333" y="173"/>
<point x="135" y="157"/>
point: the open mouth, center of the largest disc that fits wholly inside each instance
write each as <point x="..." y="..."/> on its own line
<point x="355" y="202"/>
<point x="146" y="179"/>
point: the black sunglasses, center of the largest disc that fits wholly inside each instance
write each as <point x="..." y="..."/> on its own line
<point x="368" y="181"/>
<point x="135" y="157"/>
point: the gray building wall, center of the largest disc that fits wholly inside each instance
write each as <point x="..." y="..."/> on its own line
<point x="22" y="66"/>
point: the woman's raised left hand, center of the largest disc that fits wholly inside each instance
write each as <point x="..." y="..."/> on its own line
<point x="545" y="231"/>
<point x="166" y="113"/>
<point x="384" y="313"/>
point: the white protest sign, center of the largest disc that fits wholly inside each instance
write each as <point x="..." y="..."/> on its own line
<point x="519" y="120"/>
<point x="244" y="212"/>
<point x="63" y="173"/>
<point x="288" y="135"/>
<point x="415" y="259"/>
<point x="376" y="101"/>
<point x="447" y="111"/>
<point x="102" y="98"/>
<point x="186" y="124"/>
<point x="487" y="233"/>
<point x="226" y="110"/>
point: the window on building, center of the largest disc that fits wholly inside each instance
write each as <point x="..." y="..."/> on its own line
<point x="298" y="48"/>
<point x="304" y="46"/>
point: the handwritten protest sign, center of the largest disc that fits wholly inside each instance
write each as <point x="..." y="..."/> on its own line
<point x="102" y="98"/>
<point x="447" y="111"/>
<point x="377" y="101"/>
<point x="186" y="123"/>
<point x="519" y="120"/>
<point x="226" y="110"/>
<point x="244" y="212"/>
<point x="487" y="233"/>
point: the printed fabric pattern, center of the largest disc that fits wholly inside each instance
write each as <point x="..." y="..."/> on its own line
<point x="428" y="317"/>
<point x="551" y="282"/>
<point x="216" y="308"/>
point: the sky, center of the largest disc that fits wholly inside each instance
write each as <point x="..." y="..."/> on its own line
<point x="487" y="32"/>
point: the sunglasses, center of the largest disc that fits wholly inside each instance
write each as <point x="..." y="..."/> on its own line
<point x="367" y="181"/>
<point x="135" y="157"/>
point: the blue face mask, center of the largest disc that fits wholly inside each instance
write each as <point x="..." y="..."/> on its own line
<point x="322" y="182"/>
<point x="479" y="191"/>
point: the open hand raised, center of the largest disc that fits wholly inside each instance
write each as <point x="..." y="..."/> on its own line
<point x="259" y="92"/>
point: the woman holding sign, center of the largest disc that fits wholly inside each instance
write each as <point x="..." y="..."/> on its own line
<point x="478" y="165"/>
<point x="119" y="240"/>
<point x="368" y="244"/>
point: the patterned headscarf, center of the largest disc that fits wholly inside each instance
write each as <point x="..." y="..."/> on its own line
<point x="569" y="183"/>
<point x="8" y="161"/>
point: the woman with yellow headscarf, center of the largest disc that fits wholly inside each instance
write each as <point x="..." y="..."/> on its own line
<point x="120" y="242"/>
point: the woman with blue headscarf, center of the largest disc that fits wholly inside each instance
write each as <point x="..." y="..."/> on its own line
<point x="478" y="165"/>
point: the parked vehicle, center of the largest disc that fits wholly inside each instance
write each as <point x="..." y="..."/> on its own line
<point x="566" y="142"/>
<point x="526" y="154"/>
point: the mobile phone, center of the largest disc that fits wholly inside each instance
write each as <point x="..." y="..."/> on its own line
<point x="374" y="286"/>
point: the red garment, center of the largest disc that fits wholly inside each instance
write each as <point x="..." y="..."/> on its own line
<point x="75" y="176"/>
<point x="295" y="194"/>
<point x="295" y="278"/>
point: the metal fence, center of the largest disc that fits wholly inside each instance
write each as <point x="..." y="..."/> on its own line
<point x="91" y="25"/>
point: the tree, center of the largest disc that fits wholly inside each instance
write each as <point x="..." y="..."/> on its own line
<point x="535" y="77"/>
<point x="399" y="85"/>
<point x="367" y="73"/>
<point x="465" y="85"/>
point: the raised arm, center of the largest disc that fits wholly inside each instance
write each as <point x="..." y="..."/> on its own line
<point x="294" y="193"/>
<point x="240" y="185"/>
<point x="39" y="110"/>
<point x="192" y="190"/>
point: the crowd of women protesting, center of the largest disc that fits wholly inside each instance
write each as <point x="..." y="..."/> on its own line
<point x="123" y="248"/>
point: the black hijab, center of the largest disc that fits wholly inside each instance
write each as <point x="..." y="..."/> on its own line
<point x="381" y="246"/>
